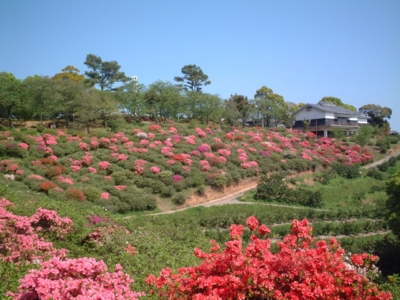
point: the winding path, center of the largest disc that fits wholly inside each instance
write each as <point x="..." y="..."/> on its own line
<point x="232" y="198"/>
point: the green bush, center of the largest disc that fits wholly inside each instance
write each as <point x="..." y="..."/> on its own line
<point x="347" y="171"/>
<point x="143" y="202"/>
<point x="40" y="128"/>
<point x="324" y="177"/>
<point x="92" y="193"/>
<point x="376" y="174"/>
<point x="179" y="199"/>
<point x="167" y="191"/>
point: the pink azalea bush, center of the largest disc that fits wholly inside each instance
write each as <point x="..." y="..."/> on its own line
<point x="20" y="239"/>
<point x="81" y="278"/>
<point x="103" y="165"/>
<point x="155" y="169"/>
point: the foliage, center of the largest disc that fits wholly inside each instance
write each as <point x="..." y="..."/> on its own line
<point x="179" y="199"/>
<point x="10" y="95"/>
<point x="103" y="73"/>
<point x="69" y="73"/>
<point x="271" y="107"/>
<point x="376" y="174"/>
<point x="392" y="203"/>
<point x="377" y="113"/>
<point x="338" y="102"/>
<point x="274" y="188"/>
<point x="347" y="171"/>
<point x="255" y="272"/>
<point x="193" y="78"/>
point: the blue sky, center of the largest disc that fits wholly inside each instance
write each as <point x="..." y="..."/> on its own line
<point x="302" y="50"/>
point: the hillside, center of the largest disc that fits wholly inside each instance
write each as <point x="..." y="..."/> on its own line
<point x="112" y="185"/>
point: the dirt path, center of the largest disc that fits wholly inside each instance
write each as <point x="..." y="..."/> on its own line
<point x="231" y="196"/>
<point x="379" y="162"/>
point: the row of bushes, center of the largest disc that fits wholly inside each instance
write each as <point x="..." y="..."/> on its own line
<point x="274" y="188"/>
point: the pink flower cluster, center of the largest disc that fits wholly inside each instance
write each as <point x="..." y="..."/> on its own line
<point x="20" y="240"/>
<point x="139" y="166"/>
<point x="191" y="139"/>
<point x="155" y="169"/>
<point x="49" y="139"/>
<point x="81" y="278"/>
<point x="67" y="180"/>
<point x="120" y="187"/>
<point x="104" y="165"/>
<point x="23" y="146"/>
<point x="224" y="152"/>
<point x="200" y="132"/>
<point x="205" y="165"/>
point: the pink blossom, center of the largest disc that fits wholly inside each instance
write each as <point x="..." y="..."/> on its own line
<point x="23" y="146"/>
<point x="83" y="146"/>
<point x="75" y="168"/>
<point x="120" y="187"/>
<point x="67" y="180"/>
<point x="92" y="170"/>
<point x="35" y="176"/>
<point x="155" y="169"/>
<point x="104" y="165"/>
<point x="105" y="195"/>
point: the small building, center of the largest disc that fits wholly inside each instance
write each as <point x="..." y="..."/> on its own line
<point x="326" y="116"/>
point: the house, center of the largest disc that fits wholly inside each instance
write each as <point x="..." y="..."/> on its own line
<point x="326" y="116"/>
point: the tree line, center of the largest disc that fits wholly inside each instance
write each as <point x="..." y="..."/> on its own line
<point x="105" y="92"/>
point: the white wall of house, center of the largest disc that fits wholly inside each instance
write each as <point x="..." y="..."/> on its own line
<point x="309" y="115"/>
<point x="329" y="115"/>
<point x="362" y="120"/>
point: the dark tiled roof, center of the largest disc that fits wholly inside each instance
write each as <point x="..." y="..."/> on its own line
<point x="332" y="108"/>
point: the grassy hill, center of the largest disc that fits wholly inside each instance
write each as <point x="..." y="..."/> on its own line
<point x="100" y="179"/>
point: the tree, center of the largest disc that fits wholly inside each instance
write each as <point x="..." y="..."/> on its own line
<point x="338" y="102"/>
<point x="393" y="202"/>
<point x="210" y="108"/>
<point x="271" y="106"/>
<point x="94" y="105"/>
<point x="193" y="78"/>
<point x="364" y="134"/>
<point x="69" y="92"/>
<point x="10" y="95"/>
<point x="163" y="100"/>
<point x="103" y="73"/>
<point x="130" y="99"/>
<point x="70" y="73"/>
<point x="42" y="94"/>
<point x="242" y="105"/>
<point x="377" y="113"/>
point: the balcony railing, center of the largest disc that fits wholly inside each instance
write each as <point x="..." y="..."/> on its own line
<point x="343" y="123"/>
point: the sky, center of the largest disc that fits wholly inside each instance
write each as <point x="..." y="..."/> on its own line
<point x="302" y="50"/>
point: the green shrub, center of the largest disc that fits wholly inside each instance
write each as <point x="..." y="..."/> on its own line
<point x="92" y="193"/>
<point x="297" y="164"/>
<point x="358" y="195"/>
<point x="376" y="188"/>
<point x="141" y="202"/>
<point x="167" y="191"/>
<point x="347" y="171"/>
<point x="324" y="177"/>
<point x="40" y="128"/>
<point x="120" y="178"/>
<point x="376" y="174"/>
<point x="179" y="199"/>
<point x="201" y="190"/>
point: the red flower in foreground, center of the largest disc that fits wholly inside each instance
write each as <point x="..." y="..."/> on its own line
<point x="297" y="271"/>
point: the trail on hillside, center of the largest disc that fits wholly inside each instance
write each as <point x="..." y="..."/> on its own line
<point x="232" y="198"/>
<point x="379" y="162"/>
